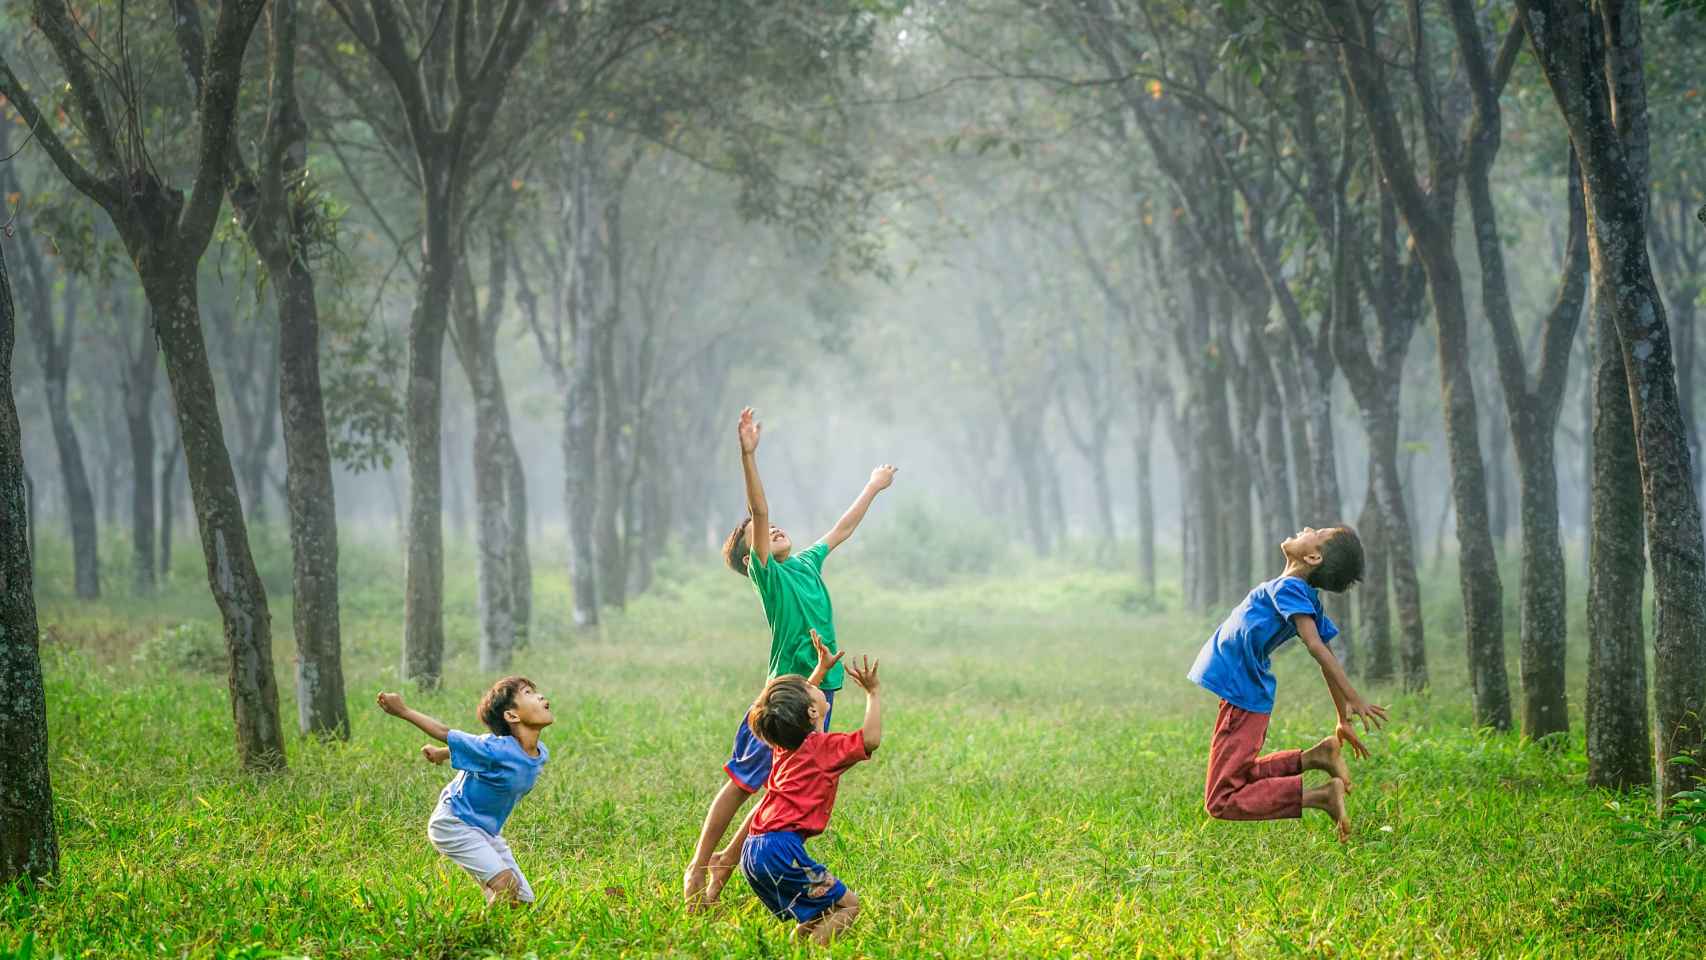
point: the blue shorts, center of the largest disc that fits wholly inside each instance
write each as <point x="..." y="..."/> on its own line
<point x="791" y="884"/>
<point x="749" y="761"/>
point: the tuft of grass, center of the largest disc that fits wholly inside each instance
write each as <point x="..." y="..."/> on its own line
<point x="1038" y="794"/>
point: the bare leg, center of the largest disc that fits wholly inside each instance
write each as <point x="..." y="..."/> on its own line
<point x="827" y="925"/>
<point x="1329" y="756"/>
<point x="1331" y="799"/>
<point x="724" y="861"/>
<point x="723" y="809"/>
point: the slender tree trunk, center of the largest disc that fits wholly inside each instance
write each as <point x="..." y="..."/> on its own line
<point x="610" y="546"/>
<point x="139" y="417"/>
<point x="29" y="847"/>
<point x="1498" y="484"/>
<point x="520" y="562"/>
<point x="1619" y="744"/>
<point x="231" y="573"/>
<point x="423" y="594"/>
<point x="79" y="493"/>
<point x="1592" y="62"/>
<point x="1544" y="629"/>
<point x="1375" y="618"/>
<point x="476" y="349"/>
<point x="169" y="471"/>
<point x="1142" y="444"/>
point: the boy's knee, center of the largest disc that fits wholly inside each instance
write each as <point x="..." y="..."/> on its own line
<point x="848" y="904"/>
<point x="1217" y="807"/>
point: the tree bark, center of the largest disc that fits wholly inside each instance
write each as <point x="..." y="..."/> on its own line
<point x="29" y="847"/>
<point x="1593" y="64"/>
<point x="53" y="348"/>
<point x="139" y="417"/>
<point x="423" y="590"/>
<point x="1375" y="616"/>
<point x="1430" y="228"/>
<point x="613" y="452"/>
<point x="581" y="398"/>
<point x="1619" y="744"/>
<point x="169" y="470"/>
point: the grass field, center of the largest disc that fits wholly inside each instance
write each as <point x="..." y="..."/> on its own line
<point x="1039" y="794"/>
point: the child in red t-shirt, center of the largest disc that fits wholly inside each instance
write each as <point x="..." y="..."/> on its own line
<point x="790" y="715"/>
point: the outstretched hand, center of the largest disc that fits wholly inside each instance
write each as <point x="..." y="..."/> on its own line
<point x="864" y="673"/>
<point x="825" y="659"/>
<point x="749" y="430"/>
<point x="883" y="476"/>
<point x="392" y="703"/>
<point x="1371" y="715"/>
<point x="435" y="754"/>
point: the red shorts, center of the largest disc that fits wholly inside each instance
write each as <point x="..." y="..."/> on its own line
<point x="1242" y="785"/>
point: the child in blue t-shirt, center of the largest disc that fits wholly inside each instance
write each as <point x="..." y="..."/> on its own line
<point x="494" y="771"/>
<point x="1234" y="664"/>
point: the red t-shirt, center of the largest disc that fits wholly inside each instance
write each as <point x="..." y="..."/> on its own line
<point x="801" y="789"/>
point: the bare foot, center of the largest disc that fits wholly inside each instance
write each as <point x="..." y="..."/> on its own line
<point x="1334" y="804"/>
<point x="1328" y="755"/>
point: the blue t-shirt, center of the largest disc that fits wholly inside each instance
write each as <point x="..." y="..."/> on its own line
<point x="496" y="772"/>
<point x="1234" y="662"/>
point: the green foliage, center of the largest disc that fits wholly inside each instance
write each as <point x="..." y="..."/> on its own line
<point x="1679" y="830"/>
<point x="194" y="647"/>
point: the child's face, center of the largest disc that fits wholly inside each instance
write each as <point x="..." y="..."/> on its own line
<point x="819" y="709"/>
<point x="780" y="545"/>
<point x="1304" y="546"/>
<point x="530" y="709"/>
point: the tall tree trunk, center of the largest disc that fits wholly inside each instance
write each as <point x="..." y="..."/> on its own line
<point x="54" y="349"/>
<point x="231" y="573"/>
<point x="1430" y="228"/>
<point x="1498" y="481"/>
<point x="581" y="399"/>
<point x="169" y="470"/>
<point x="520" y="562"/>
<point x="139" y="416"/>
<point x="1375" y="620"/>
<point x="1592" y="62"/>
<point x="29" y="847"/>
<point x="279" y="220"/>
<point x="613" y="455"/>
<point x="1619" y="743"/>
<point x="423" y="592"/>
<point x="1143" y="442"/>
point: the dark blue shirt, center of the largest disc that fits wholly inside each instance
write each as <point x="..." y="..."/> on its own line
<point x="1234" y="663"/>
<point x="496" y="772"/>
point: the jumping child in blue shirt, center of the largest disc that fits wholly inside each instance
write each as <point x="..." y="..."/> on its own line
<point x="1234" y="664"/>
<point x="495" y="770"/>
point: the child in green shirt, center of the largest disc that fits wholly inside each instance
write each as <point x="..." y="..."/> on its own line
<point x="795" y="603"/>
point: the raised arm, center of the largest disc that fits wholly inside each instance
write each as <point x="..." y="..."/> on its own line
<point x="1346" y="700"/>
<point x="392" y="703"/>
<point x="864" y="673"/>
<point x="758" y="533"/>
<point x="825" y="660"/>
<point x="880" y="480"/>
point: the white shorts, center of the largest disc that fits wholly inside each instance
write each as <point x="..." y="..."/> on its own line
<point x="483" y="855"/>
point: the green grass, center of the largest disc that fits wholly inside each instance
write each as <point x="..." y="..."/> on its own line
<point x="1039" y="793"/>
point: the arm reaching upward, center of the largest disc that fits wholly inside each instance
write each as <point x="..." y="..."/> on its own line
<point x="825" y="660"/>
<point x="758" y="531"/>
<point x="864" y="673"/>
<point x="392" y="703"/>
<point x="1349" y="704"/>
<point x="880" y="480"/>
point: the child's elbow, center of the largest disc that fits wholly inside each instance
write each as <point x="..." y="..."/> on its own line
<point x="871" y="744"/>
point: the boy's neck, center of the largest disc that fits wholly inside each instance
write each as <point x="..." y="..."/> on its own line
<point x="1294" y="568"/>
<point x="528" y="737"/>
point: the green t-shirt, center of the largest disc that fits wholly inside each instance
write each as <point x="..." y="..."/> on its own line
<point x="795" y="601"/>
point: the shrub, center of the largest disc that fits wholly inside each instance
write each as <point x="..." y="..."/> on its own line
<point x="193" y="647"/>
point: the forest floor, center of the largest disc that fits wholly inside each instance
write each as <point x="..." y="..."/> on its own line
<point x="1038" y="793"/>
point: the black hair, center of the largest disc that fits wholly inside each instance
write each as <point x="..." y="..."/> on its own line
<point x="498" y="699"/>
<point x="1341" y="561"/>
<point x="781" y="714"/>
<point x="736" y="548"/>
